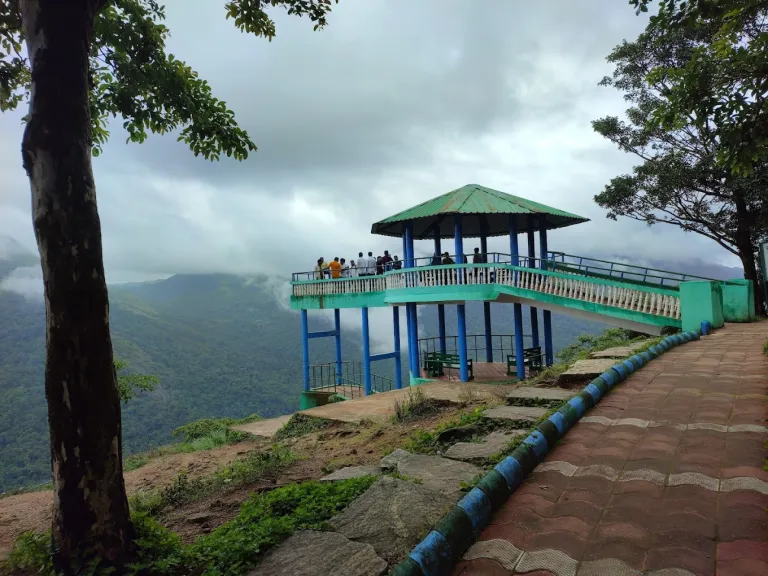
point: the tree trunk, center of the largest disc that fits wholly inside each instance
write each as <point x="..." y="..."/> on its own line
<point x="747" y="249"/>
<point x="90" y="508"/>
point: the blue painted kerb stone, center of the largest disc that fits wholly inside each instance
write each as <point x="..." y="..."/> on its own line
<point x="433" y="555"/>
<point x="478" y="508"/>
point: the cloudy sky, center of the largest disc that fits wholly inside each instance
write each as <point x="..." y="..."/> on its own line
<point x="394" y="103"/>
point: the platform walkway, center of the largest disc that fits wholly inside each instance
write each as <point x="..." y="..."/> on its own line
<point x="664" y="477"/>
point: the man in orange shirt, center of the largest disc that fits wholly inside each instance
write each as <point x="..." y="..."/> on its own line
<point x="335" y="267"/>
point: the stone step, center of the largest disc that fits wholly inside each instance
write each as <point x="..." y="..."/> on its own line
<point x="437" y="473"/>
<point x="619" y="351"/>
<point x="311" y="553"/>
<point x="531" y="393"/>
<point x="491" y="445"/>
<point x="392" y="516"/>
<point x="582" y="370"/>
<point x="519" y="413"/>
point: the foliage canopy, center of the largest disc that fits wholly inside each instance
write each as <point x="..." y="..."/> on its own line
<point x="133" y="78"/>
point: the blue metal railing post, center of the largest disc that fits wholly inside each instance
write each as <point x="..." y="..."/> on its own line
<point x="305" y="348"/>
<point x="398" y="365"/>
<point x="514" y="249"/>
<point x="366" y="353"/>
<point x="461" y="308"/>
<point x="441" y="326"/>
<point x="532" y="264"/>
<point x="337" y="337"/>
<point x="548" y="351"/>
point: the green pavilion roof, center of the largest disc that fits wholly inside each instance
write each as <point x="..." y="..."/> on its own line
<point x="482" y="208"/>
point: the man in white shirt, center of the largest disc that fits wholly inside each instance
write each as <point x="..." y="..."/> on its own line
<point x="370" y="264"/>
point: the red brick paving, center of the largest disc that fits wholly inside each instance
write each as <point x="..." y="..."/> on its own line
<point x="645" y="525"/>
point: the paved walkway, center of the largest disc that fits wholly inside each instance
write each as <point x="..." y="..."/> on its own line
<point x="664" y="477"/>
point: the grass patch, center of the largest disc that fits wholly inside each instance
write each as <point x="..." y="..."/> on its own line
<point x="204" y="434"/>
<point x="415" y="405"/>
<point x="264" y="521"/>
<point x="301" y="425"/>
<point x="267" y="519"/>
<point x="765" y="347"/>
<point x="254" y="467"/>
<point x="426" y="441"/>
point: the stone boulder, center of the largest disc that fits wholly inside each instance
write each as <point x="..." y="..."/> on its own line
<point x="392" y="516"/>
<point x="310" y="553"/>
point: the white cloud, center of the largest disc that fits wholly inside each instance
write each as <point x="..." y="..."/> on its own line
<point x="392" y="104"/>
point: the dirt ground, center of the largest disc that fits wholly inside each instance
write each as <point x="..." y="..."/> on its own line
<point x="319" y="453"/>
<point x="32" y="511"/>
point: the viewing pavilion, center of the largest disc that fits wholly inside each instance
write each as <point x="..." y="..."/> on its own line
<point x="642" y="299"/>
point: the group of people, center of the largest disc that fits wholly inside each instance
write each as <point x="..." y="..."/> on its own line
<point x="364" y="266"/>
<point x="372" y="266"/>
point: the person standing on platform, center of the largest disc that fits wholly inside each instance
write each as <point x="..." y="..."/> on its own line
<point x="335" y="268"/>
<point x="386" y="260"/>
<point x="319" y="269"/>
<point x="397" y="264"/>
<point x="370" y="265"/>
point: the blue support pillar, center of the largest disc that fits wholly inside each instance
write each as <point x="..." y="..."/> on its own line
<point x="462" y="342"/>
<point x="305" y="348"/>
<point x="366" y="353"/>
<point x="414" y="353"/>
<point x="532" y="264"/>
<point x="440" y="307"/>
<point x="486" y="305"/>
<point x="337" y="337"/>
<point x="398" y="364"/>
<point x="410" y="310"/>
<point x="461" y="337"/>
<point x="441" y="327"/>
<point x="514" y="250"/>
<point x="547" y="316"/>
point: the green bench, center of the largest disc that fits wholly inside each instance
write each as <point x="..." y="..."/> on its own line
<point x="531" y="358"/>
<point x="434" y="362"/>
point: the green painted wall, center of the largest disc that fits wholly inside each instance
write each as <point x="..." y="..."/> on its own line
<point x="700" y="301"/>
<point x="738" y="300"/>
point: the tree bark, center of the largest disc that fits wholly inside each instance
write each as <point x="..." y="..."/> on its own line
<point x="90" y="510"/>
<point x="746" y="247"/>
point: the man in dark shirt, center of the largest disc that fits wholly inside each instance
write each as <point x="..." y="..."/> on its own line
<point x="478" y="258"/>
<point x="386" y="260"/>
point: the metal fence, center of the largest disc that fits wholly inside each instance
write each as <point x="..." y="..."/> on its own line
<point x="501" y="346"/>
<point x="351" y="383"/>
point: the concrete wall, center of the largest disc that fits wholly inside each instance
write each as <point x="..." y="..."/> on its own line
<point x="700" y="301"/>
<point x="738" y="300"/>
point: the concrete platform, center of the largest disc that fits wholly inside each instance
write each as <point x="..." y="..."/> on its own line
<point x="379" y="406"/>
<point x="265" y="428"/>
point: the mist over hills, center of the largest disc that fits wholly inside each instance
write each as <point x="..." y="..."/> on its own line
<point x="222" y="345"/>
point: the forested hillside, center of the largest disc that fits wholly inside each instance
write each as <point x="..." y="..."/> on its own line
<point x="221" y="346"/>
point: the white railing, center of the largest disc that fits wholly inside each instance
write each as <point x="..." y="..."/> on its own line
<point x="340" y="286"/>
<point x="627" y="297"/>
